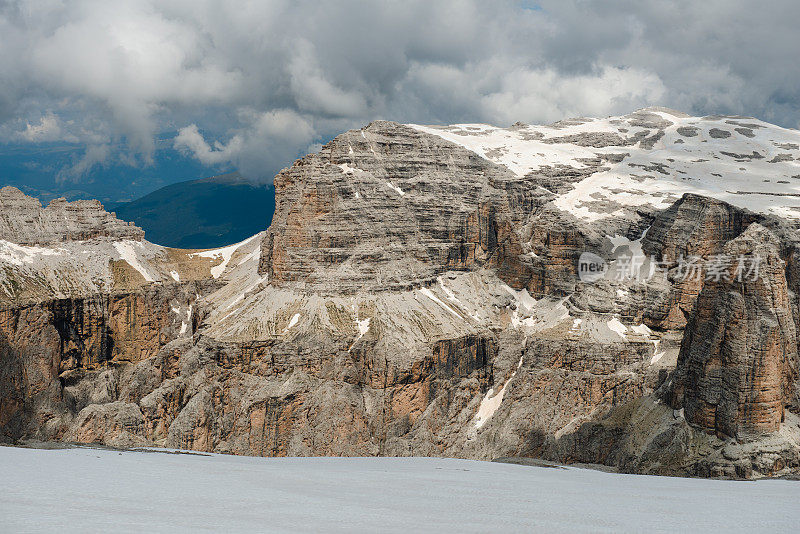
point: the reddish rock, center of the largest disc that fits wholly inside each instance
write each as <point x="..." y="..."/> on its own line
<point x="694" y="226"/>
<point x="738" y="358"/>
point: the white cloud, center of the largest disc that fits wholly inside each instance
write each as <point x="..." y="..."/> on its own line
<point x="268" y="140"/>
<point x="48" y="129"/>
<point x="192" y="141"/>
<point x="288" y="74"/>
<point x="94" y="155"/>
<point x="314" y="93"/>
<point x="505" y="94"/>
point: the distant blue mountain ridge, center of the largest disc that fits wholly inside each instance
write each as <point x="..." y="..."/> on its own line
<point x="160" y="197"/>
<point x="207" y="213"/>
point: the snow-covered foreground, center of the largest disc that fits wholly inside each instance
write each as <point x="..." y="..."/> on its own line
<point x="101" y="490"/>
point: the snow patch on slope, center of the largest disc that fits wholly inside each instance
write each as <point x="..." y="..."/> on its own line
<point x="616" y="326"/>
<point x="428" y="293"/>
<point x="399" y="191"/>
<point x="746" y="162"/>
<point x="491" y="401"/>
<point x="292" y="322"/>
<point x="363" y="327"/>
<point x="129" y="252"/>
<point x="21" y="254"/>
<point x="225" y="254"/>
<point x="447" y="291"/>
<point x="347" y="169"/>
<point x="522" y="308"/>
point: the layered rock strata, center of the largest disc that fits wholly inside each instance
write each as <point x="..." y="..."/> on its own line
<point x="738" y="361"/>
<point x="23" y="221"/>
<point x="418" y="294"/>
<point x="421" y="205"/>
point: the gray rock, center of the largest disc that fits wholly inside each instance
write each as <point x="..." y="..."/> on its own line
<point x="688" y="131"/>
<point x="25" y="222"/>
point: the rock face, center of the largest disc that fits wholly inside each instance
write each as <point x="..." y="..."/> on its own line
<point x="57" y="355"/>
<point x="738" y="360"/>
<point x="696" y="228"/>
<point x="419" y="214"/>
<point x="418" y="293"/>
<point x="23" y="220"/>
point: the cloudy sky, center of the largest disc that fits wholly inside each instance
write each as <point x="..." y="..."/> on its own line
<point x="250" y="85"/>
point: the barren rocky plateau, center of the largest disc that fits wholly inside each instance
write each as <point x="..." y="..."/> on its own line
<point x="418" y="293"/>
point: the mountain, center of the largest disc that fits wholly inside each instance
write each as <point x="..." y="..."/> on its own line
<point x="205" y="213"/>
<point x="622" y="291"/>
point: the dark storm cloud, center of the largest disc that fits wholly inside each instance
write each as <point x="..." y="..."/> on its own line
<point x="258" y="83"/>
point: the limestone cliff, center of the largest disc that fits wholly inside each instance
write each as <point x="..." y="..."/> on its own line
<point x="421" y="205"/>
<point x="23" y="221"/>
<point x="418" y="293"/>
<point x="738" y="361"/>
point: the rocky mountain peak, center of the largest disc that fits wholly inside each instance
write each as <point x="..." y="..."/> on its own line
<point x="390" y="207"/>
<point x="23" y="220"/>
